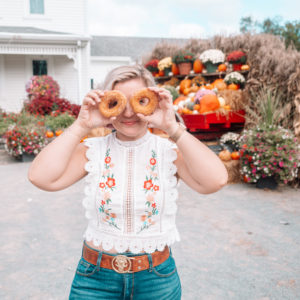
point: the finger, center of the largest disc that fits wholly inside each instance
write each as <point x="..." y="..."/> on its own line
<point x="94" y="95"/>
<point x="89" y="101"/>
<point x="100" y="93"/>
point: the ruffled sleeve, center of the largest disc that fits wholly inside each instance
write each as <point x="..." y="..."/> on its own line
<point x="93" y="168"/>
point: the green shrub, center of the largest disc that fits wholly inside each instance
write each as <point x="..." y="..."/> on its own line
<point x="58" y="122"/>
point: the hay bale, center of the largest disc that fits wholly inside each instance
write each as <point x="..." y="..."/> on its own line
<point x="235" y="99"/>
<point x="233" y="169"/>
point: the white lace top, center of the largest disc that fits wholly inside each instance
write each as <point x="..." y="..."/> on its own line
<point x="131" y="193"/>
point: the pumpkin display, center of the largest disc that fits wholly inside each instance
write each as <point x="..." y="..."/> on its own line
<point x="235" y="155"/>
<point x="222" y="68"/>
<point x="175" y="69"/>
<point x="185" y="83"/>
<point x="197" y="66"/>
<point x="49" y="134"/>
<point x="209" y="103"/>
<point x="220" y="84"/>
<point x="179" y="99"/>
<point x="225" y="155"/>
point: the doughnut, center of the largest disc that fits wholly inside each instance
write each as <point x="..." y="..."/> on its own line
<point x="112" y="104"/>
<point x="136" y="101"/>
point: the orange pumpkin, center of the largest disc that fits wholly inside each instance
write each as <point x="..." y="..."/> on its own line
<point x="185" y="83"/>
<point x="235" y="155"/>
<point x="175" y="69"/>
<point x="197" y="107"/>
<point x="225" y="155"/>
<point x="197" y="66"/>
<point x="161" y="73"/>
<point x="49" y="134"/>
<point x="233" y="86"/>
<point x="186" y="91"/>
<point x="222" y="68"/>
<point x="220" y="84"/>
<point x="186" y="111"/>
<point x="209" y="103"/>
<point x="58" y="132"/>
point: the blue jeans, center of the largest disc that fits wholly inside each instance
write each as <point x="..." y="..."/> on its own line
<point x="157" y="283"/>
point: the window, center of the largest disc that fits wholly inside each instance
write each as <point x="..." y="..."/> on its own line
<point x="37" y="7"/>
<point x="39" y="67"/>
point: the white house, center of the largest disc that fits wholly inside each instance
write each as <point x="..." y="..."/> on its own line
<point x="51" y="37"/>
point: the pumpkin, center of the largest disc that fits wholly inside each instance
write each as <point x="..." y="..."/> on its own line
<point x="235" y="155"/>
<point x="197" y="107"/>
<point x="245" y="67"/>
<point x="186" y="91"/>
<point x="185" y="83"/>
<point x="233" y="86"/>
<point x="209" y="103"/>
<point x="222" y="68"/>
<point x="197" y="66"/>
<point x="161" y="73"/>
<point x="58" y="132"/>
<point x="220" y="84"/>
<point x="179" y="99"/>
<point x="175" y="69"/>
<point x="225" y="155"/>
<point x="49" y="134"/>
<point x="186" y="111"/>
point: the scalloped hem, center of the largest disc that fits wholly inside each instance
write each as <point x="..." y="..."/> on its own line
<point x="135" y="245"/>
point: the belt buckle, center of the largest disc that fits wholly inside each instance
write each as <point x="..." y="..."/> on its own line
<point x="122" y="264"/>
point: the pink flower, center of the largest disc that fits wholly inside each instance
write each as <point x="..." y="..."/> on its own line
<point x="281" y="164"/>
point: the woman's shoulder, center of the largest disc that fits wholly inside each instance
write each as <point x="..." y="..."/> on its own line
<point x="97" y="140"/>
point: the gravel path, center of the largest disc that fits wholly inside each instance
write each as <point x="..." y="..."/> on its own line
<point x="239" y="243"/>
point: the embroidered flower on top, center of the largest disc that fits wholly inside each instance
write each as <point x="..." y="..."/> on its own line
<point x="107" y="185"/>
<point x="150" y="188"/>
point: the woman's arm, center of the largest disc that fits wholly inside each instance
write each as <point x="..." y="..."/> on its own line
<point x="61" y="163"/>
<point x="197" y="165"/>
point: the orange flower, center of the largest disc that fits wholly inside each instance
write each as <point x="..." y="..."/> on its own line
<point x="148" y="184"/>
<point x="107" y="159"/>
<point x="156" y="188"/>
<point x="110" y="182"/>
<point x="143" y="218"/>
<point x="102" y="185"/>
<point x="113" y="215"/>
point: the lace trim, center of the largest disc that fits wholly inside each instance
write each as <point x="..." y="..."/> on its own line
<point x="92" y="167"/>
<point x="134" y="245"/>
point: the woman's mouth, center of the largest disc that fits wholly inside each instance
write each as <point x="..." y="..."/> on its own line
<point x="129" y="123"/>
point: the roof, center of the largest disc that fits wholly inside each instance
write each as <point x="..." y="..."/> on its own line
<point x="33" y="30"/>
<point x="133" y="47"/>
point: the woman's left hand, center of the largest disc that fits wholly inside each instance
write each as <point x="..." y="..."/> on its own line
<point x="164" y="116"/>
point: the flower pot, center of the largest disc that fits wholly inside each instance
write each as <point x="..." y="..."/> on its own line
<point x="210" y="67"/>
<point x="26" y="157"/>
<point x="237" y="66"/>
<point x="267" y="183"/>
<point x="167" y="71"/>
<point x="185" y="68"/>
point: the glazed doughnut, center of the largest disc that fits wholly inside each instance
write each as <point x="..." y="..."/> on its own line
<point x="137" y="104"/>
<point x="112" y="104"/>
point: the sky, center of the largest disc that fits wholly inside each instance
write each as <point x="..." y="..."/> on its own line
<point x="182" y="18"/>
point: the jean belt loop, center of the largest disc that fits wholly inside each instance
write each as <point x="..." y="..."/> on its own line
<point x="99" y="260"/>
<point x="150" y="262"/>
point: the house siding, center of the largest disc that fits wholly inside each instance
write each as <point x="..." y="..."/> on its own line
<point x="60" y="15"/>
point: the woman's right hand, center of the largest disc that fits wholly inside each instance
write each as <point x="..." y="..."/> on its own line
<point x="89" y="116"/>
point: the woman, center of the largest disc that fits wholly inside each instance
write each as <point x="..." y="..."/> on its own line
<point x="131" y="190"/>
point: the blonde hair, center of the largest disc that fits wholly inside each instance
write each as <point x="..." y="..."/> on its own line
<point x="124" y="73"/>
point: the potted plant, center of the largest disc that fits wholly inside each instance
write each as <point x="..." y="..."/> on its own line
<point x="184" y="60"/>
<point x="24" y="142"/>
<point x="152" y="66"/>
<point x="230" y="140"/>
<point x="235" y="78"/>
<point x="237" y="59"/>
<point x="165" y="65"/>
<point x="211" y="59"/>
<point x="269" y="152"/>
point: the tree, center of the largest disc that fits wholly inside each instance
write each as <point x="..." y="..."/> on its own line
<point x="290" y="31"/>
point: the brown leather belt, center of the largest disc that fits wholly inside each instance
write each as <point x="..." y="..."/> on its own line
<point x="123" y="263"/>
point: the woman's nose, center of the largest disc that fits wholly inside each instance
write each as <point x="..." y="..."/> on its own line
<point x="128" y="111"/>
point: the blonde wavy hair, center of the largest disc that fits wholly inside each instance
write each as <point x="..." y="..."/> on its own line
<point x="124" y="73"/>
